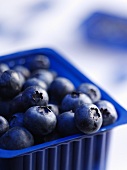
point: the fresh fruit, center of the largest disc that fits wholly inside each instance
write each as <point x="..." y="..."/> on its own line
<point x="66" y="124"/>
<point x="40" y="62"/>
<point x="43" y="75"/>
<point x="41" y="106"/>
<point x="16" y="120"/>
<point x="108" y="111"/>
<point x="74" y="100"/>
<point x="91" y="90"/>
<point x="16" y="104"/>
<point x="34" y="82"/>
<point x="10" y="84"/>
<point x="88" y="118"/>
<point x="54" y="108"/>
<point x="40" y="120"/>
<point x="22" y="78"/>
<point x="5" y="109"/>
<point x="3" y="67"/>
<point x="34" y="96"/>
<point x="16" y="138"/>
<point x="23" y="70"/>
<point x="59" y="88"/>
<point x="4" y="126"/>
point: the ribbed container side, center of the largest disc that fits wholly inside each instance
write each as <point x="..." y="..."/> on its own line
<point x="99" y="152"/>
<point x="86" y="153"/>
<point x="29" y="161"/>
<point x="108" y="142"/>
<point x="54" y="158"/>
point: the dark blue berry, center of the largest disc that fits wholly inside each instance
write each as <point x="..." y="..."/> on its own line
<point x="44" y="75"/>
<point x="108" y="111"/>
<point x="34" y="96"/>
<point x="66" y="124"/>
<point x="16" y="120"/>
<point x="22" y="78"/>
<point x="74" y="100"/>
<point x="4" y="126"/>
<point x="16" y="104"/>
<point x="54" y="108"/>
<point x="91" y="90"/>
<point x="59" y="88"/>
<point x="10" y="84"/>
<point x="54" y="73"/>
<point x="34" y="82"/>
<point x="88" y="118"/>
<point x="16" y="138"/>
<point x="40" y="62"/>
<point x="3" y="67"/>
<point x="40" y="120"/>
<point x="23" y="70"/>
<point x="5" y="109"/>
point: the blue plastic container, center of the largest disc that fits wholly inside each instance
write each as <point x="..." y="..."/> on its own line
<point x="106" y="29"/>
<point x="77" y="152"/>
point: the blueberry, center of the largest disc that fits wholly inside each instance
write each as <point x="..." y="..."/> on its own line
<point x="23" y="70"/>
<point x="44" y="75"/>
<point x="88" y="118"/>
<point x="74" y="100"/>
<point x="40" y="62"/>
<point x="59" y="88"/>
<point x="3" y="67"/>
<point x="5" y="109"/>
<point x="54" y="73"/>
<point x="34" y="82"/>
<point x="16" y="120"/>
<point x="16" y="104"/>
<point x="22" y="78"/>
<point x="4" y="126"/>
<point x="34" y="96"/>
<point x="54" y="108"/>
<point x="108" y="111"/>
<point x="16" y="138"/>
<point x="91" y="90"/>
<point x="66" y="124"/>
<point x="10" y="84"/>
<point x="40" y="120"/>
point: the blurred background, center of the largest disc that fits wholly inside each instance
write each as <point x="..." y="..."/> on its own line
<point x="27" y="24"/>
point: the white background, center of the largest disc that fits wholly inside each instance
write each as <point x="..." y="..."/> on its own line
<point x="27" y="24"/>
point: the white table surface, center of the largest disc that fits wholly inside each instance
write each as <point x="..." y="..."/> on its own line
<point x="27" y="24"/>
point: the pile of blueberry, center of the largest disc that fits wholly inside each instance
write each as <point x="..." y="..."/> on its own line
<point x="37" y="105"/>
